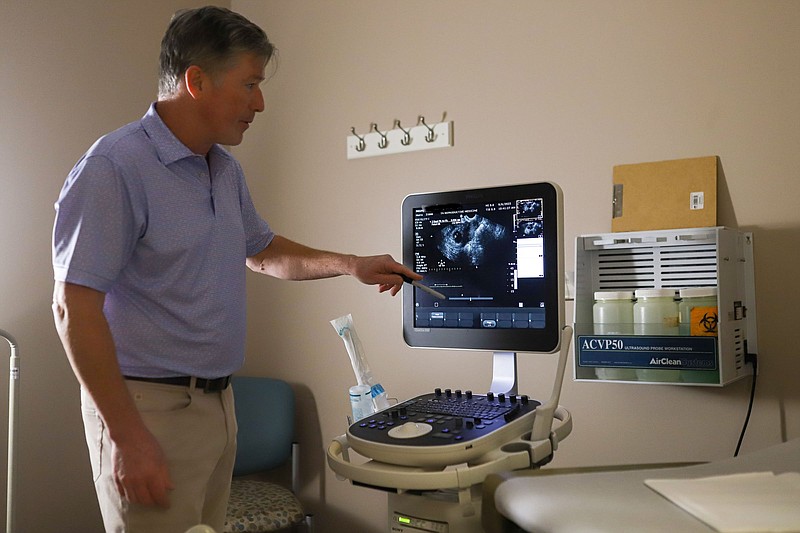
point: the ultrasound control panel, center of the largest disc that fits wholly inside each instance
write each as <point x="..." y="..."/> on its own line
<point x="446" y="425"/>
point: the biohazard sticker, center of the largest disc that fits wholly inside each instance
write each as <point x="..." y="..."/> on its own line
<point x="704" y="321"/>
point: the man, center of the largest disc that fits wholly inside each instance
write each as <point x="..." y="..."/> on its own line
<point x="154" y="226"/>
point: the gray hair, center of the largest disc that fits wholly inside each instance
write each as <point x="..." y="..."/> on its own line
<point x="209" y="37"/>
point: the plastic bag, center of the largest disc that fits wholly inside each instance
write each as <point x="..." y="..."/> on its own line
<point x="346" y="330"/>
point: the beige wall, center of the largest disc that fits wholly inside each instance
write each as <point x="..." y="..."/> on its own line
<point x="536" y="90"/>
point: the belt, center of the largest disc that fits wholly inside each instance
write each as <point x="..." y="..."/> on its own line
<point x="208" y="385"/>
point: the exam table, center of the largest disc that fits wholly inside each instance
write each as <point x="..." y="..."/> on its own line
<point x="611" y="499"/>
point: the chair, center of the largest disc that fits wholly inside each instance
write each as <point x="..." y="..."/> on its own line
<point x="265" y="416"/>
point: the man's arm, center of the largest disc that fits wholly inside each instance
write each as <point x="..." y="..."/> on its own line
<point x="286" y="259"/>
<point x="140" y="469"/>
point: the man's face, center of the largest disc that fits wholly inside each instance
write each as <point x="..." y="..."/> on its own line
<point x="234" y="99"/>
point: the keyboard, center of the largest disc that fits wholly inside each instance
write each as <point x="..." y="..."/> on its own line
<point x="442" y="426"/>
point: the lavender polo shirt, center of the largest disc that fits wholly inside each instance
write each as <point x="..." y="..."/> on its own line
<point x="141" y="218"/>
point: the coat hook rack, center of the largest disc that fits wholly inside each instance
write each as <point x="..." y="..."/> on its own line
<point x="397" y="139"/>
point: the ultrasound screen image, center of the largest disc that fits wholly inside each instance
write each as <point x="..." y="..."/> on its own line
<point x="485" y="258"/>
<point x="527" y="228"/>
<point x="471" y="240"/>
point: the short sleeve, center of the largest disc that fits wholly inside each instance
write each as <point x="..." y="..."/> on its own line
<point x="258" y="233"/>
<point x="96" y="227"/>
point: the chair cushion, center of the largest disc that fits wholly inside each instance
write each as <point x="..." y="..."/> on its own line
<point x="257" y="506"/>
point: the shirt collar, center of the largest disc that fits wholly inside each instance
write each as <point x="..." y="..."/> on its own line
<point x="167" y="145"/>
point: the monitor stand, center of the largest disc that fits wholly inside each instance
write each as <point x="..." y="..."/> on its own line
<point x="504" y="373"/>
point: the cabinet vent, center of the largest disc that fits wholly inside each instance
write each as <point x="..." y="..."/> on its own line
<point x="693" y="265"/>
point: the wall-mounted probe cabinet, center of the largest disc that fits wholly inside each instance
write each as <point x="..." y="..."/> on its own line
<point x="706" y="343"/>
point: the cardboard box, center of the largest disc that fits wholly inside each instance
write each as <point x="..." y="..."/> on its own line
<point x="680" y="193"/>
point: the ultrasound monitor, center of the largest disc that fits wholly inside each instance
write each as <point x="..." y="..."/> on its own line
<point x="496" y="254"/>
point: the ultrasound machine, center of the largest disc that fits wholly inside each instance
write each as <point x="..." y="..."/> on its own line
<point x="496" y="255"/>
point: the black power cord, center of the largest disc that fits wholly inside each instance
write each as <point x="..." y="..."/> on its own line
<point x="752" y="359"/>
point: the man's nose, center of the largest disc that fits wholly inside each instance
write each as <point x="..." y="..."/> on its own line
<point x="258" y="103"/>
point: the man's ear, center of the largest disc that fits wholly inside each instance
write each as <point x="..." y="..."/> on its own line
<point x="195" y="80"/>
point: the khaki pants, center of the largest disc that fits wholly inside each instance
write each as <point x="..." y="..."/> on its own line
<point x="197" y="432"/>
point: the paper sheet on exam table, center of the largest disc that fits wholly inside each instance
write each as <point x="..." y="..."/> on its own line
<point x="750" y="502"/>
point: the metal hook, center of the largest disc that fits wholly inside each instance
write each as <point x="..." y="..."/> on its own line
<point x="384" y="142"/>
<point x="431" y="135"/>
<point x="362" y="144"/>
<point x="406" y="140"/>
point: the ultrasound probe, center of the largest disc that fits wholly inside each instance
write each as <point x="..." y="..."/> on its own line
<point x="425" y="288"/>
